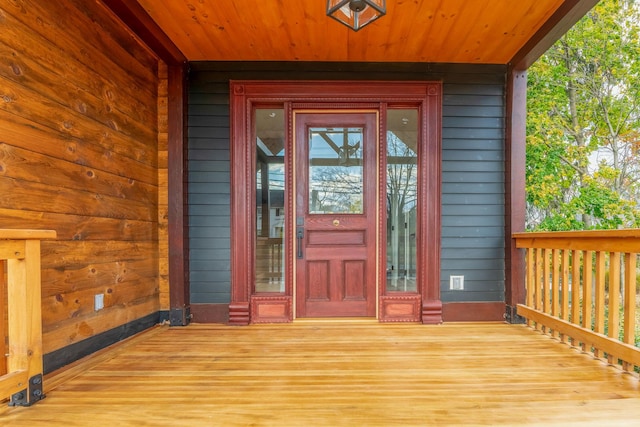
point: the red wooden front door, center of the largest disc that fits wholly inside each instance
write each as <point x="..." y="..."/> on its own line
<point x="336" y="213"/>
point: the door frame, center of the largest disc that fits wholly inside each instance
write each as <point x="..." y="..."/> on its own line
<point x="423" y="306"/>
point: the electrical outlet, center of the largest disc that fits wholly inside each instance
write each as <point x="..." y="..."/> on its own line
<point x="98" y="302"/>
<point x="456" y="283"/>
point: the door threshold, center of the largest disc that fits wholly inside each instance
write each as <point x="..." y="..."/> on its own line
<point x="335" y="320"/>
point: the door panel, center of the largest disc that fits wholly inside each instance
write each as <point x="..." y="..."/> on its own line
<point x="336" y="213"/>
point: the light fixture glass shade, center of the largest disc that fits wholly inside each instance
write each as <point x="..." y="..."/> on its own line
<point x="355" y="14"/>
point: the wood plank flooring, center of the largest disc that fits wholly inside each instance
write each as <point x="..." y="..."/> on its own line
<point x="336" y="374"/>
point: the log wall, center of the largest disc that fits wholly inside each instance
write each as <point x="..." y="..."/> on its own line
<point x="79" y="154"/>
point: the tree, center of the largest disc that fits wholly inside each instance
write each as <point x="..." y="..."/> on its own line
<point x="583" y="125"/>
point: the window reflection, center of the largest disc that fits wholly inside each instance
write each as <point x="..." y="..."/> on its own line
<point x="270" y="203"/>
<point x="335" y="170"/>
<point x="402" y="191"/>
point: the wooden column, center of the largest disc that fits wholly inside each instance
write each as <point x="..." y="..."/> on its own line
<point x="179" y="293"/>
<point x="565" y="17"/>
<point x="3" y="318"/>
<point x="431" y="205"/>
<point x="242" y="203"/>
<point x="514" y="221"/>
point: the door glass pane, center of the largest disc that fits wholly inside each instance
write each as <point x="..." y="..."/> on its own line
<point x="270" y="205"/>
<point x="335" y="170"/>
<point x="402" y="191"/>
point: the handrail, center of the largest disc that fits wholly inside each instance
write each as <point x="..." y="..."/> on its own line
<point x="20" y="250"/>
<point x="581" y="288"/>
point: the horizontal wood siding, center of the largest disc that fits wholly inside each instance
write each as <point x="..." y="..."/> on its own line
<point x="473" y="187"/>
<point x="473" y="169"/>
<point x="209" y="193"/>
<point x="79" y="155"/>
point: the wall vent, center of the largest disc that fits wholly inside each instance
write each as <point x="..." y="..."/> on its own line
<point x="456" y="283"/>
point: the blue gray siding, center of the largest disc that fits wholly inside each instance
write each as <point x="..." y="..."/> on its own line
<point x="472" y="182"/>
<point x="209" y="193"/>
<point x="473" y="189"/>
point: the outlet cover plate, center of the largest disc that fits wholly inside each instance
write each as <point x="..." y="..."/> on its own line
<point x="98" y="302"/>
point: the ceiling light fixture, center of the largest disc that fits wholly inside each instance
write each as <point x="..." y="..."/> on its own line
<point x="355" y="14"/>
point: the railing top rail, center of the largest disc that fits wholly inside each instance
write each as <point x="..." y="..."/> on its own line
<point x="626" y="240"/>
<point x="26" y="234"/>
<point x="632" y="233"/>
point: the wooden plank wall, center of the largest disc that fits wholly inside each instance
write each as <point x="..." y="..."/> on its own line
<point x="79" y="155"/>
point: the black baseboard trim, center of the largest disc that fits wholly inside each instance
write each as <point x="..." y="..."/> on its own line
<point x="66" y="355"/>
<point x="164" y="316"/>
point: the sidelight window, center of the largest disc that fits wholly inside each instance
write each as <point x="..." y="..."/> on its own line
<point x="270" y="200"/>
<point x="402" y="193"/>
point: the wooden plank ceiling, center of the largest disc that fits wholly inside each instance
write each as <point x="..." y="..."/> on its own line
<point x="458" y="31"/>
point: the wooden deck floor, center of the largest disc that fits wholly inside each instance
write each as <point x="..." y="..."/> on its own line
<point x="336" y="374"/>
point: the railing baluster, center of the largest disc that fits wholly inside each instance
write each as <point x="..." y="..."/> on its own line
<point x="564" y="288"/>
<point x="538" y="284"/>
<point x="600" y="295"/>
<point x="531" y="280"/>
<point x="555" y="287"/>
<point x="614" y="299"/>
<point x="575" y="290"/>
<point x="587" y="294"/>
<point x="545" y="284"/>
<point x="629" y="333"/>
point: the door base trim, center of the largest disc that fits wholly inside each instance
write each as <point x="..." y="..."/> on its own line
<point x="400" y="308"/>
<point x="271" y="309"/>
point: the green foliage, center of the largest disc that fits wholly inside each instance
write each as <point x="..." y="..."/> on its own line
<point x="583" y="125"/>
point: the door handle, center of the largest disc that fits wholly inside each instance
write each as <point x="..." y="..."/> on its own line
<point x="299" y="237"/>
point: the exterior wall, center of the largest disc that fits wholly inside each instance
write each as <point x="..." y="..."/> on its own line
<point x="473" y="188"/>
<point x="473" y="168"/>
<point x="79" y="155"/>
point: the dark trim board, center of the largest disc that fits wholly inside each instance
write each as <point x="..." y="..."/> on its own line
<point x="473" y="311"/>
<point x="210" y="313"/>
<point x="66" y="355"/>
<point x="138" y="20"/>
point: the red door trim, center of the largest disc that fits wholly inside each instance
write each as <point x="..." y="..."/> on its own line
<point x="247" y="94"/>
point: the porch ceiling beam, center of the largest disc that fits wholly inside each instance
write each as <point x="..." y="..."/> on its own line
<point x="567" y="15"/>
<point x="143" y="26"/>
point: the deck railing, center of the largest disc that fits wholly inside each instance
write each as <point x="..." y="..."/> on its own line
<point x="582" y="288"/>
<point x="20" y="256"/>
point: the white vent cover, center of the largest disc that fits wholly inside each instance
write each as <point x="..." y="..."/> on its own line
<point x="456" y="283"/>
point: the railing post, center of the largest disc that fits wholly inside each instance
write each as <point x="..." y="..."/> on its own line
<point x="25" y="325"/>
<point x="23" y="380"/>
